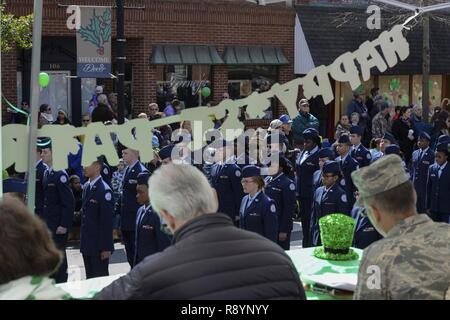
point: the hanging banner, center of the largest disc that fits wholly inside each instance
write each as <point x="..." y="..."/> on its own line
<point x="94" y="43"/>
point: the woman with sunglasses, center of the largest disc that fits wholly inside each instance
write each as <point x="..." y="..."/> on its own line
<point x="45" y="115"/>
<point x="258" y="213"/>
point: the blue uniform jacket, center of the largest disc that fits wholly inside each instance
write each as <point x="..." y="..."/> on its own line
<point x="129" y="205"/>
<point x="325" y="203"/>
<point x="39" y="200"/>
<point x="347" y="167"/>
<point x="419" y="176"/>
<point x="107" y="174"/>
<point x="438" y="189"/>
<point x="226" y="179"/>
<point x="260" y="216"/>
<point x="365" y="234"/>
<point x="59" y="203"/>
<point x="281" y="189"/>
<point x="96" y="219"/>
<point x="362" y="156"/>
<point x="305" y="172"/>
<point x="317" y="179"/>
<point x="149" y="237"/>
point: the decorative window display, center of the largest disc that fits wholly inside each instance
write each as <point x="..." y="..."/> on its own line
<point x="395" y="89"/>
<point x="434" y="87"/>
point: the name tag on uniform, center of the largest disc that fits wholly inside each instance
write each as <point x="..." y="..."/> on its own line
<point x="254" y="214"/>
<point x="359" y="158"/>
<point x="93" y="201"/>
<point x="147" y="227"/>
<point x="276" y="189"/>
<point x="309" y="163"/>
<point x="131" y="181"/>
<point x="51" y="184"/>
<point x="433" y="175"/>
<point x="329" y="203"/>
<point x="223" y="177"/>
<point x="426" y="162"/>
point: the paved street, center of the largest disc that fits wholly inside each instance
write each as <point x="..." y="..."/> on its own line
<point x="118" y="262"/>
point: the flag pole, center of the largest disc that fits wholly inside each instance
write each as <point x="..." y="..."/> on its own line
<point x="34" y="101"/>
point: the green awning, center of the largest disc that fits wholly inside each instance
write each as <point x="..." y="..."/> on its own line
<point x="254" y="55"/>
<point x="185" y="54"/>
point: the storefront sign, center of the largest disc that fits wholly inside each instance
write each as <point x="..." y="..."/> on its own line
<point x="94" y="43"/>
<point x="392" y="44"/>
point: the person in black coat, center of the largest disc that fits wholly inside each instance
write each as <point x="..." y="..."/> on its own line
<point x="150" y="238"/>
<point x="96" y="243"/>
<point x="39" y="194"/>
<point x="438" y="187"/>
<point x="422" y="159"/>
<point x="306" y="164"/>
<point x="403" y="131"/>
<point x="210" y="259"/>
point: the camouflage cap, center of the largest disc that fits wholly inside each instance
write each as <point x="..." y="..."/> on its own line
<point x="382" y="175"/>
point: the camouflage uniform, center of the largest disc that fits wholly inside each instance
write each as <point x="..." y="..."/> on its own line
<point x="413" y="262"/>
<point x="379" y="125"/>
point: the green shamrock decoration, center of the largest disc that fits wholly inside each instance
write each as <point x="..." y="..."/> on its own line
<point x="394" y="85"/>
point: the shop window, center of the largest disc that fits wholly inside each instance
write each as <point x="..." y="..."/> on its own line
<point x="395" y="89"/>
<point x="347" y="92"/>
<point x="245" y="79"/>
<point x="183" y="82"/>
<point x="434" y="86"/>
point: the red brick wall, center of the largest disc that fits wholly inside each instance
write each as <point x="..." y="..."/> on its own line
<point x="215" y="22"/>
<point x="9" y="81"/>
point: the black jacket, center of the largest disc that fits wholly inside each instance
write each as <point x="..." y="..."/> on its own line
<point x="211" y="259"/>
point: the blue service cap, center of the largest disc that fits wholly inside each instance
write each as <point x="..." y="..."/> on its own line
<point x="344" y="139"/>
<point x="310" y="133"/>
<point x="331" y="167"/>
<point x="166" y="152"/>
<point x="142" y="178"/>
<point x="443" y="138"/>
<point x="442" y="147"/>
<point x="155" y="142"/>
<point x="425" y="136"/>
<point x="357" y="130"/>
<point x="285" y="119"/>
<point x="14" y="185"/>
<point x="392" y="149"/>
<point x="390" y="137"/>
<point x="251" y="171"/>
<point x="326" y="153"/>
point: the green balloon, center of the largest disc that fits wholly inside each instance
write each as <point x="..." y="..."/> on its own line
<point x="44" y="79"/>
<point x="206" y="92"/>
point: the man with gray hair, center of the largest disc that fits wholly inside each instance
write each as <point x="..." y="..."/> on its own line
<point x="413" y="260"/>
<point x="209" y="257"/>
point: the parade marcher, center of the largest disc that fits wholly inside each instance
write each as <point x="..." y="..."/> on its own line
<point x="306" y="164"/>
<point x="59" y="206"/>
<point x="422" y="159"/>
<point x="226" y="180"/>
<point x="165" y="154"/>
<point x="359" y="152"/>
<point x="149" y="236"/>
<point x="395" y="149"/>
<point x="96" y="244"/>
<point x="348" y="165"/>
<point x="365" y="233"/>
<point x="325" y="154"/>
<point x="207" y="258"/>
<point x="438" y="187"/>
<point x="411" y="261"/>
<point x="40" y="170"/>
<point x="281" y="189"/>
<point x="328" y="199"/>
<point x="106" y="173"/>
<point x="129" y="204"/>
<point x="258" y="212"/>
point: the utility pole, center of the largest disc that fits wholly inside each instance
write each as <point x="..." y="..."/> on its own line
<point x="425" y="67"/>
<point x="120" y="53"/>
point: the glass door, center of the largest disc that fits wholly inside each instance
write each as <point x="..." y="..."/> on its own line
<point x="57" y="93"/>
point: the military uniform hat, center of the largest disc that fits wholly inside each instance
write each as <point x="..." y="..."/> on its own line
<point x="311" y="134"/>
<point x="357" y="130"/>
<point x="251" y="171"/>
<point x="331" y="167"/>
<point x="142" y="178"/>
<point x="166" y="152"/>
<point x="390" y="137"/>
<point x="443" y="147"/>
<point x="326" y="153"/>
<point x="392" y="149"/>
<point x="425" y="136"/>
<point x="344" y="139"/>
<point x="443" y="138"/>
<point x="14" y="185"/>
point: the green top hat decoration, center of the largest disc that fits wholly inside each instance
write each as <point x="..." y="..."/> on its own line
<point x="336" y="233"/>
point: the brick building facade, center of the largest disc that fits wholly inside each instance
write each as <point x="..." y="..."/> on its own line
<point x="147" y="23"/>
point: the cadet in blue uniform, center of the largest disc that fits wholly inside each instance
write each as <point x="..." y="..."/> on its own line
<point x="96" y="241"/>
<point x="422" y="159"/>
<point x="281" y="189"/>
<point x="129" y="204"/>
<point x="258" y="212"/>
<point x="226" y="180"/>
<point x="150" y="238"/>
<point x="348" y="165"/>
<point x="165" y="154"/>
<point x="106" y="173"/>
<point x="328" y="199"/>
<point x="365" y="234"/>
<point x="40" y="170"/>
<point x="438" y="188"/>
<point x="359" y="152"/>
<point x="306" y="164"/>
<point x="59" y="206"/>
<point x="325" y="154"/>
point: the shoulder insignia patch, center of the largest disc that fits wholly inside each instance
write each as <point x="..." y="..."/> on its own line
<point x="292" y="186"/>
<point x="238" y="173"/>
<point x="344" y="198"/>
<point x="63" y="179"/>
<point x="108" y="196"/>
<point x="273" y="209"/>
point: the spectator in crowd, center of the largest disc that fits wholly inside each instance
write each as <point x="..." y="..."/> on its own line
<point x="375" y="148"/>
<point x="102" y="113"/>
<point x="440" y="125"/>
<point x="153" y="112"/>
<point x="169" y="110"/>
<point x="269" y="274"/>
<point x="304" y="120"/>
<point x="320" y="111"/>
<point x="142" y="115"/>
<point x="28" y="255"/>
<point x="436" y="111"/>
<point x="112" y="98"/>
<point x="86" y="120"/>
<point x="343" y="127"/>
<point x="354" y="119"/>
<point x="45" y="115"/>
<point x="403" y="131"/>
<point x="370" y="102"/>
<point x="21" y="117"/>
<point x="396" y="115"/>
<point x="94" y="100"/>
<point x="418" y="124"/>
<point x="62" y="118"/>
<point x="357" y="105"/>
<point x="380" y="123"/>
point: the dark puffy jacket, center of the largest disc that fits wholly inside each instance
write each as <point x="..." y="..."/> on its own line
<point x="211" y="259"/>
